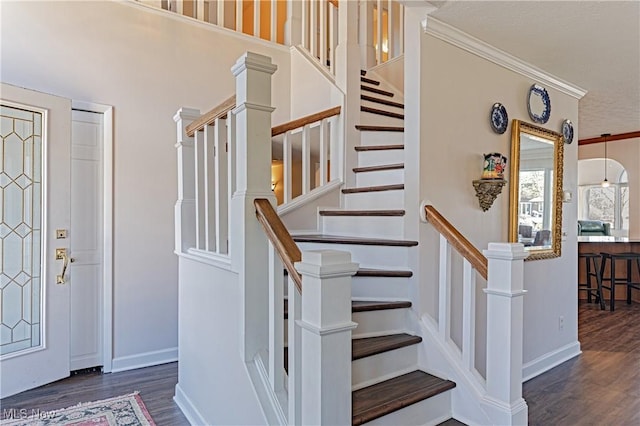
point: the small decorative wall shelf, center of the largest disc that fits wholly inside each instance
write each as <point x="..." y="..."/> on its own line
<point x="487" y="190"/>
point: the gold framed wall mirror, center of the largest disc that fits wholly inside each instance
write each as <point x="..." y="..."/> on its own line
<point x="535" y="202"/>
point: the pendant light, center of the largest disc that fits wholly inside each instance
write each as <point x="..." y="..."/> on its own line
<point x="605" y="182"/>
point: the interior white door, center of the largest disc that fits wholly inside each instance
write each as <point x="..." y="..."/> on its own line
<point x="86" y="240"/>
<point x="34" y="185"/>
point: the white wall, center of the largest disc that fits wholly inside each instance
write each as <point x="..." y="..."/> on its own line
<point x="457" y="91"/>
<point x="213" y="379"/>
<point x="627" y="153"/>
<point x="146" y="64"/>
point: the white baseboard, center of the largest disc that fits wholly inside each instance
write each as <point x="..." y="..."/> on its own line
<point x="549" y="360"/>
<point x="146" y="359"/>
<point x="188" y="409"/>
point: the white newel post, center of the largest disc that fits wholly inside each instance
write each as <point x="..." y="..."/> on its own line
<point x="248" y="244"/>
<point x="505" y="288"/>
<point x="326" y="336"/>
<point x="185" y="208"/>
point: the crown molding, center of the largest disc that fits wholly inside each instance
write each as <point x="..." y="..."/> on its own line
<point x="458" y="38"/>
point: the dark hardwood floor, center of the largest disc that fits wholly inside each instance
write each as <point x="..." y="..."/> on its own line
<point x="600" y="387"/>
<point x="155" y="384"/>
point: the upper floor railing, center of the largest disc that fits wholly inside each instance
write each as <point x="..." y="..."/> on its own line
<point x="312" y="24"/>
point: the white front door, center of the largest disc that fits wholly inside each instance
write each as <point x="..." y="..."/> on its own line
<point x="35" y="132"/>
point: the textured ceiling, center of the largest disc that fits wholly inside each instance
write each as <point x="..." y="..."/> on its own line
<point x="592" y="44"/>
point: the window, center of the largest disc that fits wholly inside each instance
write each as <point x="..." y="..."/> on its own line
<point x="609" y="204"/>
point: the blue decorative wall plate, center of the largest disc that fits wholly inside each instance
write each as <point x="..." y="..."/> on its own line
<point x="499" y="118"/>
<point x="567" y="131"/>
<point x="539" y="104"/>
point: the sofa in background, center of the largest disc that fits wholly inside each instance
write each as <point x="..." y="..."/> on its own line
<point x="593" y="227"/>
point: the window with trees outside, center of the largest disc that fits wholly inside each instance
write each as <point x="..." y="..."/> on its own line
<point x="608" y="204"/>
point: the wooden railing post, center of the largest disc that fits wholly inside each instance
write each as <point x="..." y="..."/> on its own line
<point x="504" y="333"/>
<point x="248" y="243"/>
<point x="185" y="208"/>
<point x="326" y="336"/>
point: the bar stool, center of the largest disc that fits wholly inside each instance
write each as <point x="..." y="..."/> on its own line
<point x="592" y="270"/>
<point x="614" y="280"/>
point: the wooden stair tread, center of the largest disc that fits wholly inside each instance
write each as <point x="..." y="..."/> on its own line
<point x="376" y="305"/>
<point x="373" y="188"/>
<point x="368" y="128"/>
<point x="378" y="168"/>
<point x="369" y="81"/>
<point x="381" y="101"/>
<point x="362" y="212"/>
<point x="361" y="148"/>
<point x="363" y="72"/>
<point x="368" y="346"/>
<point x="365" y="305"/>
<point x="376" y="90"/>
<point x="386" y="397"/>
<point x="381" y="112"/>
<point x="338" y="239"/>
<point x="389" y="273"/>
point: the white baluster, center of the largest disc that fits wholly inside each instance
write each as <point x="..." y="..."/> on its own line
<point x="222" y="191"/>
<point x="306" y="159"/>
<point x="210" y="183"/>
<point x="323" y="32"/>
<point x="333" y="37"/>
<point x="239" y="16"/>
<point x="305" y="25"/>
<point x="326" y="336"/>
<point x="256" y="18"/>
<point x="185" y="208"/>
<point x="200" y="12"/>
<point x="313" y="27"/>
<point x="324" y="147"/>
<point x="379" y="33"/>
<point x="444" y="289"/>
<point x="468" y="315"/>
<point x="367" y="48"/>
<point x="390" y="32"/>
<point x="200" y="189"/>
<point x="504" y="332"/>
<point x="276" y="321"/>
<point x="293" y="27"/>
<point x="294" y="384"/>
<point x="274" y="20"/>
<point x="287" y="166"/>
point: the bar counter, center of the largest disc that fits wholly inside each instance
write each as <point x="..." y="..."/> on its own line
<point x="599" y="244"/>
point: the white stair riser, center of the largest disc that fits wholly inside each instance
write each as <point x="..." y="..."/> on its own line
<point x="380" y="157"/>
<point x="371" y="119"/>
<point x="378" y="323"/>
<point x="431" y="411"/>
<point x="377" y="368"/>
<point x="380" y="256"/>
<point x="368" y="138"/>
<point x="388" y="227"/>
<point x="375" y="200"/>
<point x="380" y="287"/>
<point x="379" y="177"/>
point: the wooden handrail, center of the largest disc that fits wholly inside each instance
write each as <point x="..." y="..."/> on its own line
<point x="457" y="240"/>
<point x="210" y="117"/>
<point x="610" y="138"/>
<point x="277" y="233"/>
<point x="303" y="121"/>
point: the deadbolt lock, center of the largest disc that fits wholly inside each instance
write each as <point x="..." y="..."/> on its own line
<point x="61" y="234"/>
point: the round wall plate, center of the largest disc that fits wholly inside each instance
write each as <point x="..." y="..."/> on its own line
<point x="567" y="131"/>
<point x="499" y="118"/>
<point x="539" y="104"/>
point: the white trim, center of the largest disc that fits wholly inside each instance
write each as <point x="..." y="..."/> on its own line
<point x="314" y="61"/>
<point x="305" y="199"/>
<point x="107" y="226"/>
<point x="324" y="331"/>
<point x="188" y="408"/>
<point x="146" y="359"/>
<point x="204" y="25"/>
<point x="549" y="360"/>
<point x="486" y="51"/>
<point x="208" y="258"/>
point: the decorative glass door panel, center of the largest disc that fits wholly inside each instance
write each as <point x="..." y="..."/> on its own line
<point x="20" y="229"/>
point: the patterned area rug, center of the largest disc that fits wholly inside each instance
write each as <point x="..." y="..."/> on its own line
<point x="124" y="410"/>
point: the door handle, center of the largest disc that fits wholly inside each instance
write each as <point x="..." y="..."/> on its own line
<point x="61" y="254"/>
